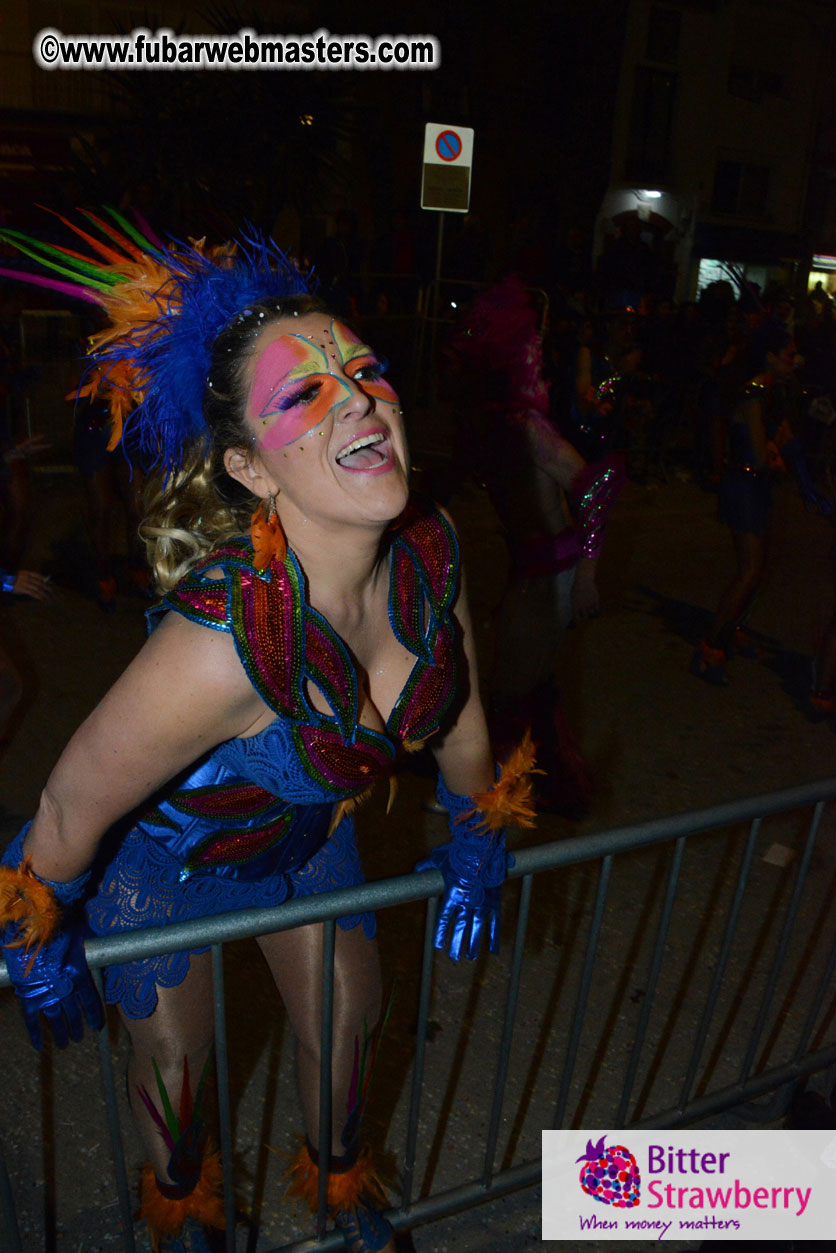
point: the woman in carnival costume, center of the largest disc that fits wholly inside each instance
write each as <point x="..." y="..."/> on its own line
<point x="553" y="506"/>
<point x="762" y="443"/>
<point x="312" y="625"/>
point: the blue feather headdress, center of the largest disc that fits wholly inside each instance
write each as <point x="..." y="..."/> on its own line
<point x="166" y="307"/>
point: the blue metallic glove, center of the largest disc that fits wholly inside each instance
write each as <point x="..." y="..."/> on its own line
<point x="48" y="970"/>
<point x="474" y="865"/>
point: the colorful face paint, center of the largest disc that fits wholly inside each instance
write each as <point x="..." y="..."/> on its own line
<point x="298" y="382"/>
<point x="358" y="359"/>
<point x="293" y="390"/>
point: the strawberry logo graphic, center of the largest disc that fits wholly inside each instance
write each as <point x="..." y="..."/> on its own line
<point x="610" y="1175"/>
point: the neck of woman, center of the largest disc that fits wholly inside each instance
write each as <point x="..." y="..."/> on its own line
<point x="343" y="564"/>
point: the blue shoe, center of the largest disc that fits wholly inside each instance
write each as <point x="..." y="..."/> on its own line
<point x="192" y="1238"/>
<point x="364" y="1229"/>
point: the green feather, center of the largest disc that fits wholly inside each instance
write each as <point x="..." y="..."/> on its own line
<point x="129" y="229"/>
<point x="87" y="267"/>
<point x="204" y="1074"/>
<point x="170" y="1117"/>
<point x="28" y="250"/>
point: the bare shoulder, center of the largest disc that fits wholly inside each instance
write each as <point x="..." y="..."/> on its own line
<point x="190" y="672"/>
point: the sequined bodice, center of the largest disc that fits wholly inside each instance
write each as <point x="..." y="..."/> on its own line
<point x="244" y="798"/>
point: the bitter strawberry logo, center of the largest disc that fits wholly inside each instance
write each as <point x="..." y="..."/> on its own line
<point x="610" y="1175"/>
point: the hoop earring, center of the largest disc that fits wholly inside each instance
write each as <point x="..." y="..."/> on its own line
<point x="267" y="535"/>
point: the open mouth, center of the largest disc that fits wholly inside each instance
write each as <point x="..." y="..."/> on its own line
<point x="371" y="451"/>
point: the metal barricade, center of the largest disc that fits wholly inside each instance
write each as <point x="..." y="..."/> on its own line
<point x="725" y="954"/>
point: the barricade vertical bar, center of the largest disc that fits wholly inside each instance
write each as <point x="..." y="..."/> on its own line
<point x="583" y="991"/>
<point x="781" y="951"/>
<point x="722" y="961"/>
<point x="507" y="1030"/>
<point x="652" y="979"/>
<point x="7" y="1203"/>
<point x="825" y="985"/>
<point x="222" y="1075"/>
<point x="420" y="1049"/>
<point x="324" y="1146"/>
<point x="117" y="1151"/>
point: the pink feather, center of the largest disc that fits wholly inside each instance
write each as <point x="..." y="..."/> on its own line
<point x="55" y="284"/>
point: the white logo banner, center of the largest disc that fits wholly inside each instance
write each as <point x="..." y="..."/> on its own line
<point x="692" y="1185"/>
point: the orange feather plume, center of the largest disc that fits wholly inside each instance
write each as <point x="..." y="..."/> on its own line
<point x="31" y="905"/>
<point x="510" y="802"/>
<point x="165" y="1217"/>
<point x="346" y="1189"/>
<point x="268" y="537"/>
<point x="146" y="292"/>
<point x="123" y="395"/>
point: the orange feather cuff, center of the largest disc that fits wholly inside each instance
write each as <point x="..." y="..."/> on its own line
<point x="346" y="1189"/>
<point x="165" y="1217"/>
<point x="31" y="905"/>
<point x="510" y="802"/>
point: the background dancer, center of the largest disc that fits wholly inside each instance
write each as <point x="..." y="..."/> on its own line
<point x="553" y="507"/>
<point x="762" y="441"/>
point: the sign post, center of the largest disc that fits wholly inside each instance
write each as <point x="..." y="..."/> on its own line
<point x="448" y="158"/>
<point x="445" y="184"/>
<point x="445" y="181"/>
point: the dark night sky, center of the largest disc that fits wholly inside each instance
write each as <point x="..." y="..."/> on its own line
<point x="537" y="86"/>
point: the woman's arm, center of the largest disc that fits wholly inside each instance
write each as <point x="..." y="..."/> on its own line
<point x="185" y="692"/>
<point x="464" y="754"/>
<point x="757" y="431"/>
<point x="552" y="453"/>
<point x="474" y="863"/>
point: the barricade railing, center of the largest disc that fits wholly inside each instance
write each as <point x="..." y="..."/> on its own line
<point x="788" y="971"/>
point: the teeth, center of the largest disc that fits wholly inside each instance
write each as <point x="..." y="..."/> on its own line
<point x="365" y="441"/>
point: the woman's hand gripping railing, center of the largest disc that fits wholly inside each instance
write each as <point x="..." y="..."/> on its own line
<point x="475" y="863"/>
<point x="43" y="941"/>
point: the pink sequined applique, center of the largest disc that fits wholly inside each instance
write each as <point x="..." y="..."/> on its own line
<point x="235" y="848"/>
<point x="349" y="768"/>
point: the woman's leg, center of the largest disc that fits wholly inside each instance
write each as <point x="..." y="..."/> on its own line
<point x="750" y="557"/>
<point x="295" y="960"/>
<point x="180" y="1027"/>
<point x="709" y="661"/>
<point x="355" y="1193"/>
<point x="182" y="1193"/>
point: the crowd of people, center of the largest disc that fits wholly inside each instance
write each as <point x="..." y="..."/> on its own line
<point x="661" y="380"/>
<point x="557" y="407"/>
<point x="733" y="391"/>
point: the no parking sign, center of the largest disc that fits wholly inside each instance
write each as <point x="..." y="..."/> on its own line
<point x="448" y="157"/>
